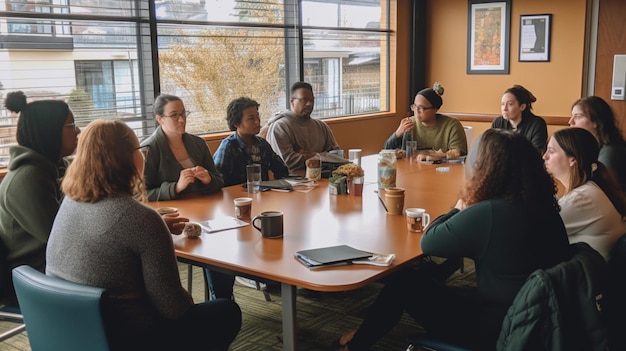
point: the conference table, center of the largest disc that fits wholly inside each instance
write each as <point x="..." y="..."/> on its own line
<point x="317" y="219"/>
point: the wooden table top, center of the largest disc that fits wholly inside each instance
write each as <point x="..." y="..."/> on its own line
<point x="318" y="219"/>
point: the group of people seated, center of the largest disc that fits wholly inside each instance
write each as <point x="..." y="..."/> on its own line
<point x="85" y="222"/>
<point x="508" y="219"/>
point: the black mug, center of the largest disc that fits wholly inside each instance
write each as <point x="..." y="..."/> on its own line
<point x="271" y="224"/>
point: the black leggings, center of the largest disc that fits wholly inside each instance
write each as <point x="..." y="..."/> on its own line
<point x="453" y="314"/>
<point x="211" y="325"/>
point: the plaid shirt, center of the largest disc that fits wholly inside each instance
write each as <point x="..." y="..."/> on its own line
<point x="232" y="156"/>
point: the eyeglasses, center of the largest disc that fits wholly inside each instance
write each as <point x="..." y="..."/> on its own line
<point x="70" y="125"/>
<point x="304" y="100"/>
<point x="421" y="109"/>
<point x="144" y="150"/>
<point x="177" y="116"/>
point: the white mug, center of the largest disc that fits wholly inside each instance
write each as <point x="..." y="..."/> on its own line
<point x="417" y="219"/>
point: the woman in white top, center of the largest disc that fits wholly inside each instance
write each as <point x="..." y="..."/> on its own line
<point x="593" y="208"/>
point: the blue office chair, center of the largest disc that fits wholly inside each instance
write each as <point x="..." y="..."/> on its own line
<point x="59" y="315"/>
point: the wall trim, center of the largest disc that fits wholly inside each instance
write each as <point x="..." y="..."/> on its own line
<point x="486" y="117"/>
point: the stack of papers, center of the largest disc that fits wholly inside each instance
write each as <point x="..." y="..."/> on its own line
<point x="222" y="223"/>
<point x="339" y="256"/>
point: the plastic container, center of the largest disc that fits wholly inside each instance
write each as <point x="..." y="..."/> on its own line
<point x="387" y="169"/>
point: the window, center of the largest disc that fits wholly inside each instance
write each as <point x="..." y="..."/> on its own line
<point x="108" y="58"/>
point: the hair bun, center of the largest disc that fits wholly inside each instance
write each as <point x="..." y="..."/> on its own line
<point x="15" y="101"/>
<point x="438" y="88"/>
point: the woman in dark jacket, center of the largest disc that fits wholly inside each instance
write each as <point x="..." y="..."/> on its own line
<point x="507" y="221"/>
<point x="29" y="193"/>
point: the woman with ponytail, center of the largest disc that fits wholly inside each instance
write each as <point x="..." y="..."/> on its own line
<point x="29" y="193"/>
<point x="593" y="208"/>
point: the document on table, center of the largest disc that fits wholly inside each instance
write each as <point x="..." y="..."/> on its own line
<point x="221" y="223"/>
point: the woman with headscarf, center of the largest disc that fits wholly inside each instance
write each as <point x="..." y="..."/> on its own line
<point x="431" y="130"/>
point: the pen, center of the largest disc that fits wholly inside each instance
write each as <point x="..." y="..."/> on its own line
<point x="381" y="201"/>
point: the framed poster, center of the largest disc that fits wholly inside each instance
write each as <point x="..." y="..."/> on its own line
<point x="534" y="38"/>
<point x="488" y="29"/>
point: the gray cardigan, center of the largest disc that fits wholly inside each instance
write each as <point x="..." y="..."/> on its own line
<point x="125" y="247"/>
<point x="162" y="170"/>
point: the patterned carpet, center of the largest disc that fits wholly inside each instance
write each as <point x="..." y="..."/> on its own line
<point x="322" y="317"/>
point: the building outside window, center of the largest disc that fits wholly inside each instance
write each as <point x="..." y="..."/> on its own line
<point x="108" y="58"/>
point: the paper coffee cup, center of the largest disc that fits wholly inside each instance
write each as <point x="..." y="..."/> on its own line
<point x="243" y="208"/>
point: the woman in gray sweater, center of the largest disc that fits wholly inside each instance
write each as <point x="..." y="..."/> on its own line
<point x="102" y="236"/>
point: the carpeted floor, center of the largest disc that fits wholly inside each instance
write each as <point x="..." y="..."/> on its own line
<point x="322" y="317"/>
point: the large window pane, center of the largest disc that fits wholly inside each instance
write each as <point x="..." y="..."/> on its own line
<point x="209" y="67"/>
<point x="345" y="71"/>
<point x="106" y="60"/>
<point x="348" y="14"/>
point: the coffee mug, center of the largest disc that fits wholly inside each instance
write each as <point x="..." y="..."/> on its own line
<point x="394" y="203"/>
<point x="271" y="224"/>
<point x="243" y="207"/>
<point x="416" y="219"/>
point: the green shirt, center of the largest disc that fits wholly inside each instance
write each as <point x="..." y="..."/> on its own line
<point x="445" y="135"/>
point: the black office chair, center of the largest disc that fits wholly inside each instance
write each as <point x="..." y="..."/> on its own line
<point x="59" y="315"/>
<point x="615" y="297"/>
<point x="9" y="311"/>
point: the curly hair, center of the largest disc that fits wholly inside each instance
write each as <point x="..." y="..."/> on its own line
<point x="580" y="144"/>
<point x="40" y="124"/>
<point x="509" y="167"/>
<point x="600" y="112"/>
<point x="234" y="111"/>
<point x="104" y="164"/>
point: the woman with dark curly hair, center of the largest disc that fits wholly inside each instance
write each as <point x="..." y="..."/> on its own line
<point x="507" y="221"/>
<point x="244" y="147"/>
<point x="29" y="193"/>
<point x="595" y="115"/>
<point x="516" y="106"/>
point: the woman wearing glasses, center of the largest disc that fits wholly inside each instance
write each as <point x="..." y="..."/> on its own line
<point x="430" y="129"/>
<point x="517" y="115"/>
<point x="29" y="193"/>
<point x="178" y="163"/>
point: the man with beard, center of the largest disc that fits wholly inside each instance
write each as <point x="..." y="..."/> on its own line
<point x="294" y="135"/>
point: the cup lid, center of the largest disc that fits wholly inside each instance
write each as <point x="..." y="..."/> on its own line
<point x="414" y="211"/>
<point x="242" y="200"/>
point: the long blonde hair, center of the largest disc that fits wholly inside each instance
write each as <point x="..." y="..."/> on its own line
<point x="104" y="164"/>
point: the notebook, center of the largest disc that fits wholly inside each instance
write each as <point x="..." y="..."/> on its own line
<point x="330" y="256"/>
<point x="276" y="184"/>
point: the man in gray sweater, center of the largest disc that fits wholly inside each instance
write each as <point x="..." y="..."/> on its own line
<point x="294" y="135"/>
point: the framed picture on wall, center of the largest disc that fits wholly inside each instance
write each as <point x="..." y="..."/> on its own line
<point x="534" y="38"/>
<point x="489" y="25"/>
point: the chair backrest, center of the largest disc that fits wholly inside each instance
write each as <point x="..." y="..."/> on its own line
<point x="59" y="315"/>
<point x="615" y="299"/>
